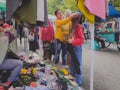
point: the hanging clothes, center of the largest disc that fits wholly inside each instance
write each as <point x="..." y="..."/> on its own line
<point x="113" y="12"/>
<point x="42" y="13"/>
<point x="11" y="7"/>
<point x="26" y="14"/>
<point x="96" y="7"/>
<point x="90" y="17"/>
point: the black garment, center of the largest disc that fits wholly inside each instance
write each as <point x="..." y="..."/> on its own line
<point x="117" y="34"/>
<point x="47" y="50"/>
<point x="33" y="45"/>
<point x="75" y="61"/>
<point x="101" y="41"/>
<point x="96" y="37"/>
<point x="12" y="55"/>
<point x="21" y="33"/>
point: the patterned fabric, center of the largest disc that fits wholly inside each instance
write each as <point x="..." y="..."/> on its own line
<point x="3" y="47"/>
<point x="10" y="36"/>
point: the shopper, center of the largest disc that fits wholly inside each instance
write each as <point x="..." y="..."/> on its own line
<point x="59" y="40"/>
<point x="75" y="49"/>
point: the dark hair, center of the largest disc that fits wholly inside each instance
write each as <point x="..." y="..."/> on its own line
<point x="76" y="19"/>
<point x="1" y="19"/>
<point x="56" y="12"/>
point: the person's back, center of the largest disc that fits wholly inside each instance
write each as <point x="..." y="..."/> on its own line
<point x="47" y="33"/>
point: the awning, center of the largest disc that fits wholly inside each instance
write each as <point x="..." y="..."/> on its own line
<point x="113" y="12"/>
<point x="2" y="6"/>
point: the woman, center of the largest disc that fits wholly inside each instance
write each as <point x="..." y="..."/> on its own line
<point x="59" y="40"/>
<point x="33" y="44"/>
<point x="8" y="64"/>
<point x="76" y="40"/>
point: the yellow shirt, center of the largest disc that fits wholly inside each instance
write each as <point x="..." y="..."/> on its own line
<point x="58" y="24"/>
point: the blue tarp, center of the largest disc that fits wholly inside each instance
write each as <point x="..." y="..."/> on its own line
<point x="113" y="12"/>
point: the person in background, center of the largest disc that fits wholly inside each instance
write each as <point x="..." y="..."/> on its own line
<point x="98" y="38"/>
<point x="47" y="37"/>
<point x="76" y="40"/>
<point x="59" y="40"/>
<point x="66" y="31"/>
<point x="8" y="64"/>
<point x="33" y="42"/>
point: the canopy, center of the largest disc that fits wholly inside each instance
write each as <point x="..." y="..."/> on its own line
<point x="2" y="6"/>
<point x="113" y="12"/>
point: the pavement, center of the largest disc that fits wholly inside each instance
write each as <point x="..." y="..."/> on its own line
<point x="106" y="69"/>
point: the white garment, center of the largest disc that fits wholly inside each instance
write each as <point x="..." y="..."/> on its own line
<point x="3" y="47"/>
<point x="40" y="10"/>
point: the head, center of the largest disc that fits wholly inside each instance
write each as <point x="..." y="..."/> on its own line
<point x="76" y="20"/>
<point x="58" y="14"/>
<point x="1" y="22"/>
<point x="68" y="13"/>
<point x="96" y="26"/>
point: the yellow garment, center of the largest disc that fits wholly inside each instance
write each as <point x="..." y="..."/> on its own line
<point x="65" y="72"/>
<point x="58" y="24"/>
<point x="34" y="71"/>
<point x="24" y="71"/>
<point x="66" y="31"/>
<point x="55" y="68"/>
<point x="90" y="17"/>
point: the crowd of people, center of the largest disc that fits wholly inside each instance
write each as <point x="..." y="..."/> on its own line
<point x="67" y="36"/>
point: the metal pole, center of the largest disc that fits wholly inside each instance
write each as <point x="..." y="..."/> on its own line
<point x="92" y="57"/>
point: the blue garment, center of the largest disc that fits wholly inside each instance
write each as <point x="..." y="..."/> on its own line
<point x="37" y="88"/>
<point x="58" y="47"/>
<point x="78" y="53"/>
<point x="14" y="65"/>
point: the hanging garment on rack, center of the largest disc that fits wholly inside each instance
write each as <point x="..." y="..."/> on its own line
<point x="11" y="7"/>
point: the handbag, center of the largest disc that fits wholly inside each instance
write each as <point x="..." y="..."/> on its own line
<point x="31" y="37"/>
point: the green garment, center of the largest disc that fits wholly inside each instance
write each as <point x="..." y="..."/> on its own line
<point x="2" y="6"/>
<point x="3" y="47"/>
<point x="26" y="13"/>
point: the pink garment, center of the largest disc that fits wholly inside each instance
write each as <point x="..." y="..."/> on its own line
<point x="6" y="25"/>
<point x="96" y="7"/>
<point x="47" y="33"/>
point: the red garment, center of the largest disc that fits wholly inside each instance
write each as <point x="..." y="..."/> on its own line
<point x="78" y="37"/>
<point x="6" y="25"/>
<point x="47" y="33"/>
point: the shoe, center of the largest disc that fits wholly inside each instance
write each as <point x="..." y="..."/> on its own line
<point x="80" y="85"/>
<point x="2" y="87"/>
<point x="102" y="49"/>
<point x="65" y="66"/>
